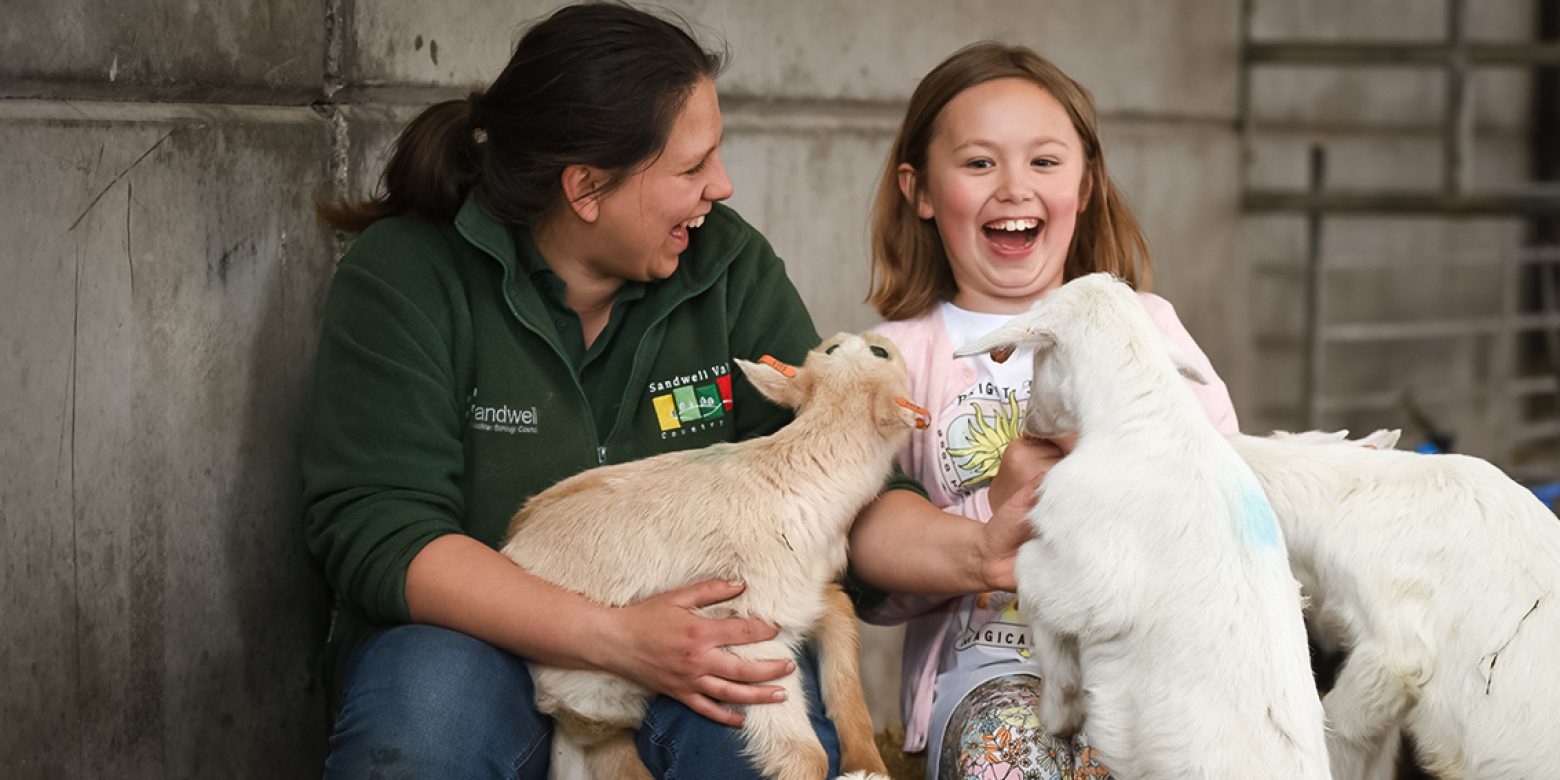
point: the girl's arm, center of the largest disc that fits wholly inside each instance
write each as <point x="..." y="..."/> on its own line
<point x="901" y="543"/>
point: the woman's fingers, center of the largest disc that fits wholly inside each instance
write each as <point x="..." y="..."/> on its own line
<point x="743" y="670"/>
<point x="740" y="631"/>
<point x="725" y="690"/>
<point x="704" y="593"/>
<point x="712" y="709"/>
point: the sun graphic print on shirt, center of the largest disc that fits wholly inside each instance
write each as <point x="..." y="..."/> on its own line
<point x="979" y="428"/>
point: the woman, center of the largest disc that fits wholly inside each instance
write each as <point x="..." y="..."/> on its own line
<point x="545" y="283"/>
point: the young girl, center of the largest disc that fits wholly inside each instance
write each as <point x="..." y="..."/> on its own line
<point x="995" y="193"/>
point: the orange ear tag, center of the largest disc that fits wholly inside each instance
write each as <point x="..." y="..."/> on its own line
<point x="787" y="370"/>
<point x="1001" y="354"/>
<point x="923" y="418"/>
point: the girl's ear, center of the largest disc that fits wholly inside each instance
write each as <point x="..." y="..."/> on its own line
<point x="913" y="192"/>
<point x="1085" y="190"/>
<point x="581" y="188"/>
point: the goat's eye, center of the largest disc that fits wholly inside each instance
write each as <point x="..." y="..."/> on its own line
<point x="880" y="352"/>
<point x="831" y="349"/>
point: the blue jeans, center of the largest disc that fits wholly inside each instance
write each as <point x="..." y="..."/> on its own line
<point x="426" y="702"/>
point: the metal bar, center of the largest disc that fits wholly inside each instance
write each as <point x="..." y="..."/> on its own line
<point x="1316" y="278"/>
<point x="1537" y="429"/>
<point x="1399" y="54"/>
<point x="1418" y="330"/>
<point x="1377" y="263"/>
<point x="1390" y="399"/>
<point x="1500" y="414"/>
<point x="1245" y="117"/>
<point x="1535" y="200"/>
<point x="1457" y="127"/>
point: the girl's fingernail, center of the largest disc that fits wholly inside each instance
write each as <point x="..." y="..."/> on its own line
<point x="779" y="696"/>
<point x="790" y="666"/>
<point x="735" y="583"/>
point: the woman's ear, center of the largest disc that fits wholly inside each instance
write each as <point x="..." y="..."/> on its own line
<point x="581" y="188"/>
<point x="914" y="195"/>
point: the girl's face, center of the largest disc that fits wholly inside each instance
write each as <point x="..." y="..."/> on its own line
<point x="645" y="221"/>
<point x="1004" y="182"/>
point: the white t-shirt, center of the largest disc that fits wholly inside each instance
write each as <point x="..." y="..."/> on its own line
<point x="989" y="638"/>
<point x="987" y="414"/>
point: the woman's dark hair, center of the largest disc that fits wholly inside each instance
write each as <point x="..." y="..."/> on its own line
<point x="594" y="84"/>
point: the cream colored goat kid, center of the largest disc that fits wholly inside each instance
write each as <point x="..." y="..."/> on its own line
<point x="1163" y="611"/>
<point x="772" y="512"/>
<point x="1440" y="576"/>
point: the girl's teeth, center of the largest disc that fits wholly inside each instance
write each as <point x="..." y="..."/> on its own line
<point x="695" y="222"/>
<point x="1015" y="224"/>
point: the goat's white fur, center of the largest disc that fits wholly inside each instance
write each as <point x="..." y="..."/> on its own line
<point x="772" y="512"/>
<point x="1163" y="610"/>
<point x="1439" y="575"/>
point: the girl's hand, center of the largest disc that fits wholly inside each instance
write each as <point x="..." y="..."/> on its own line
<point x="1023" y="461"/>
<point x="1007" y="530"/>
<point x="662" y="645"/>
<point x="1012" y="494"/>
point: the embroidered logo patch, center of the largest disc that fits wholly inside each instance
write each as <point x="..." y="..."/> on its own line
<point x="695" y="402"/>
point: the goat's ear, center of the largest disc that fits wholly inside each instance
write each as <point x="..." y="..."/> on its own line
<point x="781" y="383"/>
<point x="1183" y="363"/>
<point x="1381" y="438"/>
<point x="1022" y="332"/>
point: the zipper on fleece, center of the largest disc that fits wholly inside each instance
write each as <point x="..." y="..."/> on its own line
<point x="590" y="419"/>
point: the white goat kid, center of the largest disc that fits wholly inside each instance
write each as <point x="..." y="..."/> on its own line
<point x="1439" y="575"/>
<point x="772" y="512"/>
<point x="1157" y="588"/>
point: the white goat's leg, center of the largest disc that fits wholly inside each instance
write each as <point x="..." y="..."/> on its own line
<point x="1367" y="704"/>
<point x="1061" y="692"/>
<point x="839" y="671"/>
<point x="779" y="736"/>
<point x="1384" y="762"/>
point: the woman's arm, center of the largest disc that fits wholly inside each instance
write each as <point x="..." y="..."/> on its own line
<point x="659" y="643"/>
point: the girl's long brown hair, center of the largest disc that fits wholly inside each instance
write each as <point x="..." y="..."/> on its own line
<point x="910" y="271"/>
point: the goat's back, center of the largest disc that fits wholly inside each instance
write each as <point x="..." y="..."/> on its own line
<point x="1446" y="549"/>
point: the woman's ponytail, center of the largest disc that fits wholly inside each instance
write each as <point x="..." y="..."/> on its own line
<point x="435" y="163"/>
<point x="595" y="84"/>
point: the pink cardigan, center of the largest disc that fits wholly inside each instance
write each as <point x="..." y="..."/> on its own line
<point x="936" y="378"/>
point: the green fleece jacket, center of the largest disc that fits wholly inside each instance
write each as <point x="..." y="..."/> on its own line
<point x="444" y="396"/>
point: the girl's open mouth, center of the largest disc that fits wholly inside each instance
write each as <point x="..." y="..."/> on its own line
<point x="1012" y="235"/>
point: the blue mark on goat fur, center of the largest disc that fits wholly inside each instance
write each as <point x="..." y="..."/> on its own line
<point x="1257" y="516"/>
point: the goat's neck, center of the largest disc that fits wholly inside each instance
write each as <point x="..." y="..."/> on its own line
<point x="834" y="455"/>
<point x="1128" y="397"/>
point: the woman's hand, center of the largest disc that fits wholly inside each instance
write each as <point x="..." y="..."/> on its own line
<point x="663" y="645"/>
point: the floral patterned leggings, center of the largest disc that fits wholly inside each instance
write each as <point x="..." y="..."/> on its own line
<point x="995" y="734"/>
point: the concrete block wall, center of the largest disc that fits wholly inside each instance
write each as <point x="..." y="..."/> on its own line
<point x="1381" y="130"/>
<point x="161" y="277"/>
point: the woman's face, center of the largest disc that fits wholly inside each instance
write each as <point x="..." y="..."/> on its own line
<point x="1004" y="181"/>
<point x="644" y="223"/>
